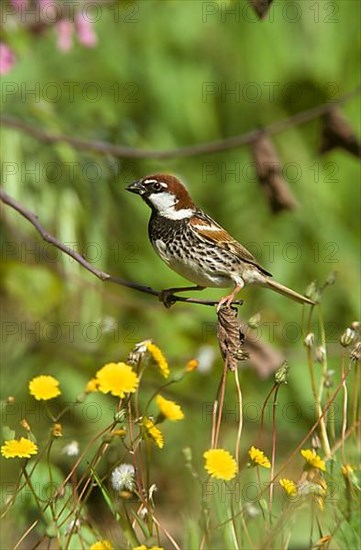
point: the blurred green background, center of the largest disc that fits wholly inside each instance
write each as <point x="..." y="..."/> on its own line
<point x="161" y="76"/>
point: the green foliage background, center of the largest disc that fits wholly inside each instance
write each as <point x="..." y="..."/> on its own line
<point x="151" y="65"/>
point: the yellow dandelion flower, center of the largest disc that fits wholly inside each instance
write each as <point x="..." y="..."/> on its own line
<point x="153" y="432"/>
<point x="312" y="459"/>
<point x="169" y="409"/>
<point x="57" y="430"/>
<point x="19" y="448"/>
<point x="143" y="547"/>
<point x="346" y="470"/>
<point x="92" y="386"/>
<point x="192" y="365"/>
<point x="102" y="545"/>
<point x="158" y="358"/>
<point x="258" y="458"/>
<point x="44" y="387"/>
<point x="289" y="487"/>
<point x="117" y="378"/>
<point x="220" y="464"/>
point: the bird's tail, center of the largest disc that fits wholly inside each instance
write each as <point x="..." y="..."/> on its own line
<point x="288" y="292"/>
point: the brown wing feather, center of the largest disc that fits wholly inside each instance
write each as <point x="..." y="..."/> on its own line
<point x="213" y="232"/>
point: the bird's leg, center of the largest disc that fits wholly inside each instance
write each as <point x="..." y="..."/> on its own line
<point x="167" y="295"/>
<point x="227" y="300"/>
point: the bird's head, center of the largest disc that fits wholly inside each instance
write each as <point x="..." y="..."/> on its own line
<point x="165" y="194"/>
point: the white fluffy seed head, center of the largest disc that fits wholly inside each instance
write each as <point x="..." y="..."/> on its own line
<point x="123" y="477"/>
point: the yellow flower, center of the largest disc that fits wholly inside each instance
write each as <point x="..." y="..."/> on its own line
<point x="92" y="386"/>
<point x="313" y="459"/>
<point x="57" y="430"/>
<point x="153" y="432"/>
<point x="117" y="378"/>
<point x="169" y="409"/>
<point x="19" y="448"/>
<point x="159" y="358"/>
<point x="143" y="547"/>
<point x="44" y="387"/>
<point x="346" y="470"/>
<point x="102" y="545"/>
<point x="220" y="464"/>
<point x="121" y="432"/>
<point x="258" y="458"/>
<point x="192" y="365"/>
<point x="289" y="487"/>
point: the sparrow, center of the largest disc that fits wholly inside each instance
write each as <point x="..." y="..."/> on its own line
<point x="191" y="243"/>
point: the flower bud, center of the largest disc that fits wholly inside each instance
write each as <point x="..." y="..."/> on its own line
<point x="57" y="430"/>
<point x="309" y="340"/>
<point x="281" y="373"/>
<point x="315" y="442"/>
<point x="347" y="337"/>
<point x="356" y="352"/>
<point x="24" y="423"/>
<point x="119" y="416"/>
<point x="320" y="354"/>
<point x="254" y="321"/>
<point x="329" y="378"/>
<point x="312" y="291"/>
<point x="331" y="279"/>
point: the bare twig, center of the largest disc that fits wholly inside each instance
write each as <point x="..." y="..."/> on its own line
<point x="102" y="275"/>
<point x="218" y="146"/>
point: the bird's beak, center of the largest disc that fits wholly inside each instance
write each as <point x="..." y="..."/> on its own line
<point x="136" y="187"/>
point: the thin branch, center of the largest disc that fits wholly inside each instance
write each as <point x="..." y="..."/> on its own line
<point x="102" y="275"/>
<point x="217" y="146"/>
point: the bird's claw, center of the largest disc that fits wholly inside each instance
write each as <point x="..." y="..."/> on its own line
<point x="167" y="298"/>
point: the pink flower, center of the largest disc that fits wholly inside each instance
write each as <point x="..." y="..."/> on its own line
<point x="64" y="30"/>
<point x="7" y="58"/>
<point x="48" y="11"/>
<point x="85" y="30"/>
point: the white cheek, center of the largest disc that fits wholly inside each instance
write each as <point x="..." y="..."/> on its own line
<point x="165" y="204"/>
<point x="162" y="201"/>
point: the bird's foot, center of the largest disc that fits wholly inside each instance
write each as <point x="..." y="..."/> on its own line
<point x="227" y="300"/>
<point x="167" y="297"/>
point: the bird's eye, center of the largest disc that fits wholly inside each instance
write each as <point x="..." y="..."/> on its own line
<point x="156" y="186"/>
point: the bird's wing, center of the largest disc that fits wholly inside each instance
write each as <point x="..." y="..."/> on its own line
<point x="206" y="228"/>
